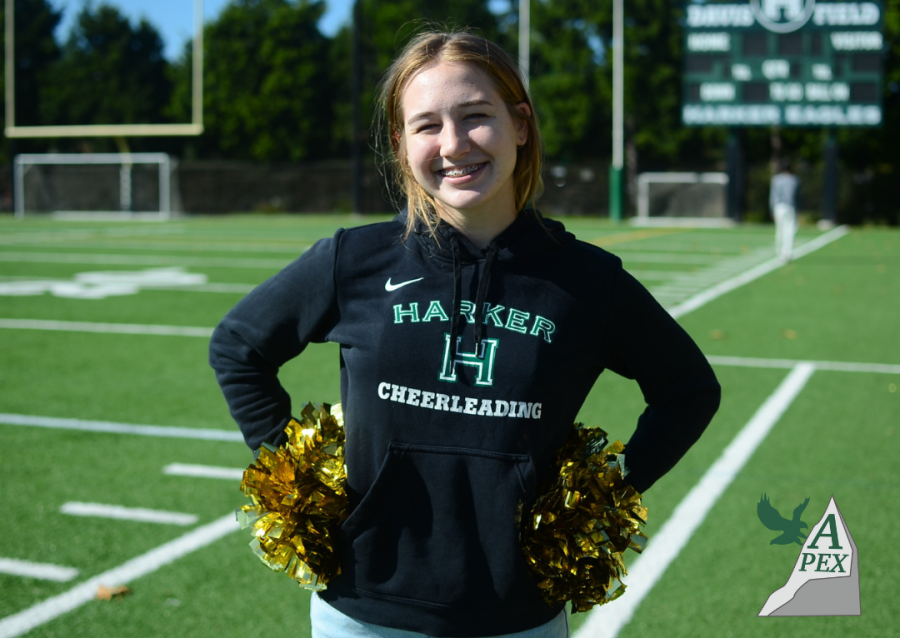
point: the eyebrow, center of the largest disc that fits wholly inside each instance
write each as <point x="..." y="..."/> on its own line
<point x="426" y="114"/>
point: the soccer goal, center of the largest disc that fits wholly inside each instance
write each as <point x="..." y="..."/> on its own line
<point x="95" y="185"/>
<point x="682" y="199"/>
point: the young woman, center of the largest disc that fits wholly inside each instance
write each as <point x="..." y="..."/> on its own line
<point x="471" y="330"/>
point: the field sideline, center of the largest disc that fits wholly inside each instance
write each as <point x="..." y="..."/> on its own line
<point x="121" y="461"/>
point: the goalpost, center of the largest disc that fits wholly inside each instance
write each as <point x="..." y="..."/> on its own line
<point x="195" y="127"/>
<point x="54" y="183"/>
<point x="682" y="199"/>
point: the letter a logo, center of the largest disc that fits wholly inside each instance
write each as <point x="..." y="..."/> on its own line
<point x="483" y="360"/>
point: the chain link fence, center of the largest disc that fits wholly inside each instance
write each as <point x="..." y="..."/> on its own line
<point x="210" y="187"/>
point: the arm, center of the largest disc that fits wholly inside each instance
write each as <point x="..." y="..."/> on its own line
<point x="677" y="382"/>
<point x="270" y="326"/>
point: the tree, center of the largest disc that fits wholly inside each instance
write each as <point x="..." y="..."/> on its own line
<point x="267" y="87"/>
<point x="569" y="86"/>
<point x="110" y="72"/>
<point x="386" y="28"/>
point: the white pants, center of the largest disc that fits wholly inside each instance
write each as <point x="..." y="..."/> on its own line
<point x="328" y="622"/>
<point x="785" y="229"/>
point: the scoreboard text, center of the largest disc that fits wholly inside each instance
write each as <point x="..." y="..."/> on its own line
<point x="783" y="62"/>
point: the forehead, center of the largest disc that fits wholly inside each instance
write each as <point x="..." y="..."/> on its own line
<point x="445" y="84"/>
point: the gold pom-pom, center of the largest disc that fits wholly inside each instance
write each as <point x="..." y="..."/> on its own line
<point x="582" y="521"/>
<point x="298" y="498"/>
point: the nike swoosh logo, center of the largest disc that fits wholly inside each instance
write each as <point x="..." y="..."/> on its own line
<point x="391" y="287"/>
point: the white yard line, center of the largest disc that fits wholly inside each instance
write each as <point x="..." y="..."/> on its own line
<point x="226" y="288"/>
<point x="163" y="431"/>
<point x="118" y="512"/>
<point x="291" y="250"/>
<point x="667" y="543"/>
<point x="143" y="260"/>
<point x="204" y="471"/>
<point x="40" y="571"/>
<point x="683" y="286"/>
<point x="45" y="611"/>
<point x="727" y="286"/>
<point x="837" y="366"/>
<point x="657" y="275"/>
<point x="106" y="328"/>
<point x="214" y="287"/>
<point x="666" y="258"/>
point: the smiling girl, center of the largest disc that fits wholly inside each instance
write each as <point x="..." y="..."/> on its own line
<point x="471" y="330"/>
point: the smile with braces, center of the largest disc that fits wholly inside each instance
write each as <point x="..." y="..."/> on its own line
<point x="461" y="171"/>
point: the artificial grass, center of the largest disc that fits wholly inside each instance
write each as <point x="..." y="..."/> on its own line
<point x="838" y="436"/>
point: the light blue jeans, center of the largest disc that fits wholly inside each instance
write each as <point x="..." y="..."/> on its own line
<point x="328" y="622"/>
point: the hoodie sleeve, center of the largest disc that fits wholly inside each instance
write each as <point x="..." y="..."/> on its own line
<point x="677" y="382"/>
<point x="267" y="328"/>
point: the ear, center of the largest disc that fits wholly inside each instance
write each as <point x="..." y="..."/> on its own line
<point x="522" y="123"/>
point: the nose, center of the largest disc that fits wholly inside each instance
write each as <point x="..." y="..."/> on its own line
<point x="454" y="140"/>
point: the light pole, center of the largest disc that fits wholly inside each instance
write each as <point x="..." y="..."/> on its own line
<point x="356" y="109"/>
<point x="525" y="38"/>
<point x="618" y="104"/>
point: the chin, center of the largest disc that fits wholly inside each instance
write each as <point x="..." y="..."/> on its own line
<point x="462" y="205"/>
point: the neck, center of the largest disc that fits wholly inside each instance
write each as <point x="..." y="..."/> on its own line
<point x="479" y="226"/>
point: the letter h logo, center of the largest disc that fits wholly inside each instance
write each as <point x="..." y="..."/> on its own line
<point x="483" y="360"/>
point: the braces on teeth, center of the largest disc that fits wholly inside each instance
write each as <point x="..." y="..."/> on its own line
<point x="459" y="172"/>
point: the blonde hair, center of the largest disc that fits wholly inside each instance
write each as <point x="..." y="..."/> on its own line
<point x="424" y="50"/>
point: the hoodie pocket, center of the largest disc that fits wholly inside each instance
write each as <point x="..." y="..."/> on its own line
<point x="440" y="526"/>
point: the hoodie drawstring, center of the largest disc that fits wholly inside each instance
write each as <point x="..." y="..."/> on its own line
<point x="457" y="293"/>
<point x="483" y="285"/>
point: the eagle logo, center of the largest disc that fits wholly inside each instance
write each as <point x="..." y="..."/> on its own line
<point x="775" y="521"/>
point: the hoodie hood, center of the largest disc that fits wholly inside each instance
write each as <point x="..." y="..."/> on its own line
<point x="529" y="235"/>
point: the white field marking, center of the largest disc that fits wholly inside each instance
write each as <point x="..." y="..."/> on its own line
<point x="719" y="252"/>
<point x="685" y="285"/>
<point x="45" y="611"/>
<point x="106" y="328"/>
<point x="656" y="275"/>
<point x="226" y="288"/>
<point x="118" y="512"/>
<point x="180" y="245"/>
<point x="41" y="571"/>
<point x="163" y="431"/>
<point x="837" y="366"/>
<point x="754" y="273"/>
<point x="143" y="260"/>
<point x="667" y="258"/>
<point x="667" y="543"/>
<point x="40" y="235"/>
<point x="204" y="471"/>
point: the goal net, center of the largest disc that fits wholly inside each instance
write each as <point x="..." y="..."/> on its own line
<point x="691" y="199"/>
<point x="94" y="185"/>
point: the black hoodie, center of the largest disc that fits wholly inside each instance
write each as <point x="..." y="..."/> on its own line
<point x="446" y="445"/>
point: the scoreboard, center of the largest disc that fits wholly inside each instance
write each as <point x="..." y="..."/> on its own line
<point x="783" y="62"/>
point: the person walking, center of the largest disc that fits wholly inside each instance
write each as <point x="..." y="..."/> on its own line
<point x="783" y="202"/>
<point x="471" y="330"/>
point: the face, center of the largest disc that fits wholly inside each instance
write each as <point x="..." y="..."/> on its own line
<point x="461" y="141"/>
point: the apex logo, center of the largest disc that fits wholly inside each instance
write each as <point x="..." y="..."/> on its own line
<point x="825" y="579"/>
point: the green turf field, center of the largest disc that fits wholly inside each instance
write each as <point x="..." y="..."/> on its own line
<point x="103" y="327"/>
